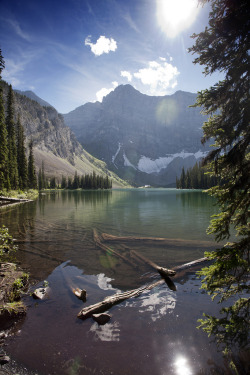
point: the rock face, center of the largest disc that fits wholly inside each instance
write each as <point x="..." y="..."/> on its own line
<point x="144" y="139"/>
<point x="54" y="143"/>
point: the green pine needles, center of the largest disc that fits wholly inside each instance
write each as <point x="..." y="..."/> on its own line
<point x="223" y="46"/>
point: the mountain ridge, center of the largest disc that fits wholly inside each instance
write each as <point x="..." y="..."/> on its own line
<point x="142" y="138"/>
<point x="53" y="142"/>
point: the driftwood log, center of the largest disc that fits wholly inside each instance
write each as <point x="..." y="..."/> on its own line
<point x="111" y="301"/>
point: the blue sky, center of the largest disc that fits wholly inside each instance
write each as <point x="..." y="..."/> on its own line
<point x="70" y="52"/>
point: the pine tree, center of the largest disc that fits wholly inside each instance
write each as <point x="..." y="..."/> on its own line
<point x="76" y="181"/>
<point x="21" y="156"/>
<point x="32" y="179"/>
<point x="63" y="182"/>
<point x="4" y="182"/>
<point x="224" y="46"/>
<point x="12" y="149"/>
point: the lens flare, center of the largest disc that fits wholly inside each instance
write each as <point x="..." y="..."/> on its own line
<point x="174" y="16"/>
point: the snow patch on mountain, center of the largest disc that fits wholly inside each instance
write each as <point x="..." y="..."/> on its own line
<point x="148" y="165"/>
<point x="114" y="156"/>
<point x="127" y="162"/>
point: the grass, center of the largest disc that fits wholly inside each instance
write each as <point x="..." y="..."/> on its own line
<point x="28" y="194"/>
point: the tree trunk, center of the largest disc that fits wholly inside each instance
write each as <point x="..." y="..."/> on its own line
<point x="111" y="301"/>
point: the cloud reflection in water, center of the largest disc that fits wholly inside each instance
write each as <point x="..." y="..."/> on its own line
<point x="107" y="332"/>
<point x="158" y="303"/>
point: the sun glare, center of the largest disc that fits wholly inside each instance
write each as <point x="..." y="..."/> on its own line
<point x="175" y="16"/>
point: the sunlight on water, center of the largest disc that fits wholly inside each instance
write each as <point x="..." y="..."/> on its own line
<point x="182" y="367"/>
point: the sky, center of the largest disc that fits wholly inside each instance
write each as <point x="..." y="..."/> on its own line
<point x="69" y="52"/>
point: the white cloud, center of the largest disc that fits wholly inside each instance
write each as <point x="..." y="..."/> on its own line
<point x="103" y="92"/>
<point x="126" y="74"/>
<point x="102" y="45"/>
<point x="158" y="76"/>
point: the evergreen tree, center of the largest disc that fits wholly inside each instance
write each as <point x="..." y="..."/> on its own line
<point x="42" y="181"/>
<point x="12" y="149"/>
<point x="76" y="181"/>
<point x="63" y="182"/>
<point x="32" y="179"/>
<point x="69" y="185"/>
<point x="52" y="184"/>
<point x="183" y="179"/>
<point x="224" y="46"/>
<point x="4" y="182"/>
<point x="21" y="156"/>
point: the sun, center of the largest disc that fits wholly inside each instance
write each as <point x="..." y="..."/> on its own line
<point x="175" y="16"/>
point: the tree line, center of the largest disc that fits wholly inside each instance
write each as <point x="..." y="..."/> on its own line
<point x="196" y="177"/>
<point x="87" y="181"/>
<point x="16" y="171"/>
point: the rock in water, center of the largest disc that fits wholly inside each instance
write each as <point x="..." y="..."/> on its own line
<point x="101" y="318"/>
<point x="4" y="359"/>
<point x="81" y="294"/>
<point x="40" y="293"/>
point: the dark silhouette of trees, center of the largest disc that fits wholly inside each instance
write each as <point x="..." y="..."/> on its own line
<point x="21" y="157"/>
<point x="12" y="148"/>
<point x="4" y="178"/>
<point x="32" y="179"/>
<point x="196" y="177"/>
<point x="224" y="46"/>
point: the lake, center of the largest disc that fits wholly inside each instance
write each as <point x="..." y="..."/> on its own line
<point x="154" y="333"/>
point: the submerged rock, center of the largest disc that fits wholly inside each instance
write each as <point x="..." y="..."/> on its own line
<point x="101" y="318"/>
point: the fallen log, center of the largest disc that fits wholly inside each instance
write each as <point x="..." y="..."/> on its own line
<point x="14" y="200"/>
<point x="42" y="255"/>
<point x="164" y="272"/>
<point x="109" y="250"/>
<point x="188" y="265"/>
<point x="111" y="301"/>
<point x="105" y="237"/>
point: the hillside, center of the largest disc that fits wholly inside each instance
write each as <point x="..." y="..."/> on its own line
<point x="144" y="139"/>
<point x="54" y="143"/>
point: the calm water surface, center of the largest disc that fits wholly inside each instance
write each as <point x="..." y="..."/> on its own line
<point x="153" y="334"/>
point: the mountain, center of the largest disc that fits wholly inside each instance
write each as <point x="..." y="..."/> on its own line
<point x="31" y="95"/>
<point x="54" y="143"/>
<point x="144" y="139"/>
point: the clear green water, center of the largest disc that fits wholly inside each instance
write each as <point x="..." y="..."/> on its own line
<point x="152" y="334"/>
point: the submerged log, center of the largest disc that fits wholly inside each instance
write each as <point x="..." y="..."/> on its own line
<point x="164" y="272"/>
<point x="105" y="237"/>
<point x="108" y="250"/>
<point x="111" y="301"/>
